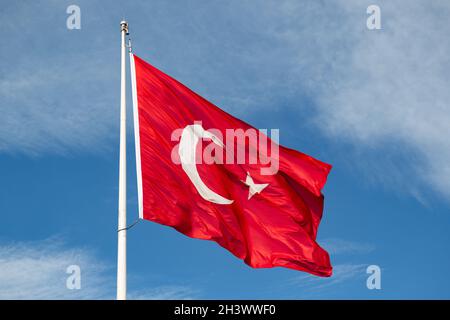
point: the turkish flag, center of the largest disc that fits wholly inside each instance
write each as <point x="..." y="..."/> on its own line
<point x="212" y="176"/>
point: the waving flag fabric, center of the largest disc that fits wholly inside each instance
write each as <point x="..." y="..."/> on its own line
<point x="264" y="210"/>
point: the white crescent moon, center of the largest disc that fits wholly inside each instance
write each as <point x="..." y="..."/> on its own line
<point x="187" y="151"/>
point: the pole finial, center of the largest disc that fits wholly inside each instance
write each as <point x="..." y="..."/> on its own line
<point x="124" y="26"/>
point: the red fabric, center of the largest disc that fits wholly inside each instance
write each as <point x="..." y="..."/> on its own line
<point x="276" y="227"/>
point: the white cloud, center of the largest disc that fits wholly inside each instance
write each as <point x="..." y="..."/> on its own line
<point x="37" y="270"/>
<point x="342" y="273"/>
<point x="55" y="90"/>
<point x="50" y="108"/>
<point x="165" y="293"/>
<point x="391" y="95"/>
<point x="339" y="246"/>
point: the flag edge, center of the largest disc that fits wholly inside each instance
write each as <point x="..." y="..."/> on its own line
<point x="136" y="136"/>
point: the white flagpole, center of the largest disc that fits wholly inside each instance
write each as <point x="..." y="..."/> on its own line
<point x="122" y="232"/>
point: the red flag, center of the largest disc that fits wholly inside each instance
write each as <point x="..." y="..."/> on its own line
<point x="212" y="176"/>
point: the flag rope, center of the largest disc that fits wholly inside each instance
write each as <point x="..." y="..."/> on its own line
<point x="131" y="225"/>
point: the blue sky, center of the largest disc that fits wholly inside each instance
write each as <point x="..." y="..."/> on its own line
<point x="374" y="104"/>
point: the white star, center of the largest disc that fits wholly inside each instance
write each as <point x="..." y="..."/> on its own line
<point x="253" y="187"/>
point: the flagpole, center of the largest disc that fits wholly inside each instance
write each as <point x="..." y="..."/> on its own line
<point x="122" y="231"/>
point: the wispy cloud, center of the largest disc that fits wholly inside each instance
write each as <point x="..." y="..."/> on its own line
<point x="389" y="94"/>
<point x="342" y="273"/>
<point x="37" y="270"/>
<point x="54" y="98"/>
<point x="51" y="108"/>
<point x="165" y="293"/>
<point x="336" y="246"/>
